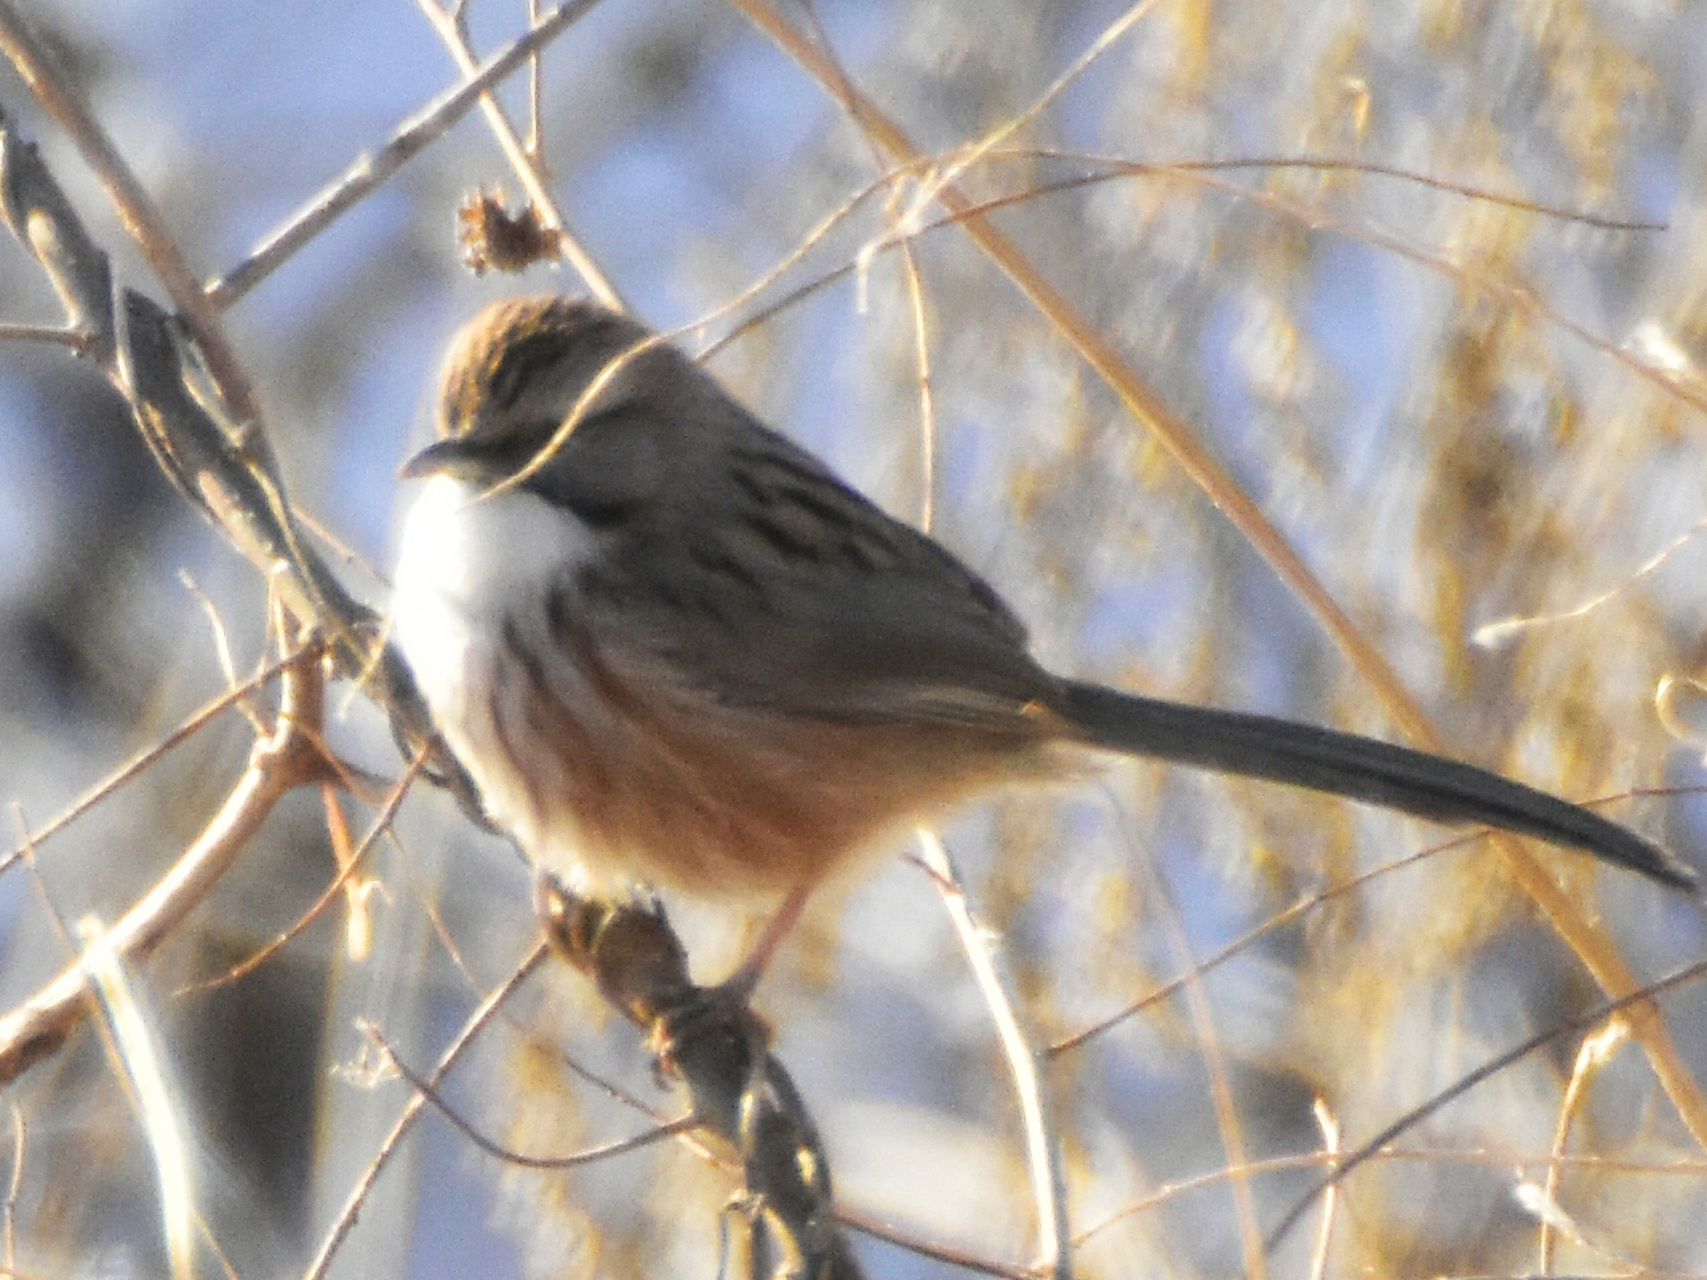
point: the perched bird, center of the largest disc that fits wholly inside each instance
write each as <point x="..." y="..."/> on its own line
<point x="671" y="646"/>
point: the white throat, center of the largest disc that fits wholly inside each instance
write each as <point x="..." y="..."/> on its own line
<point x="466" y="567"/>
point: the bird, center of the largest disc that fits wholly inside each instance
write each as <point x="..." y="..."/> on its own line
<point x="672" y="648"/>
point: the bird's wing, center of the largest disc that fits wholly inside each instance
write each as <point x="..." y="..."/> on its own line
<point x="773" y="585"/>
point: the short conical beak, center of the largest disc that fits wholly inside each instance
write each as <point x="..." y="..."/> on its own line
<point x="441" y="455"/>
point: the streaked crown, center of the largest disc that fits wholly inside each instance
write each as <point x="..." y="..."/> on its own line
<point x="520" y="366"/>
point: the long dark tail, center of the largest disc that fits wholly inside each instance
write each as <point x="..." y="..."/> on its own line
<point x="1345" y="764"/>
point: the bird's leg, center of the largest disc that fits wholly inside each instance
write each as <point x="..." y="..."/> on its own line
<point x="727" y="1007"/>
<point x="740" y="985"/>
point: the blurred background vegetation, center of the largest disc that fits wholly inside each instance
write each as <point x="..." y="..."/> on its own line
<point x="1455" y="408"/>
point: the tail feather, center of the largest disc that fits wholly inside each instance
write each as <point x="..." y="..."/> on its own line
<point x="1346" y="764"/>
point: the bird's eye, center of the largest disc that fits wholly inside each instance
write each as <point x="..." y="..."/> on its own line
<point x="522" y="362"/>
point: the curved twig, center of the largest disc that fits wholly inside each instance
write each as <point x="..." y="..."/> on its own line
<point x="280" y="763"/>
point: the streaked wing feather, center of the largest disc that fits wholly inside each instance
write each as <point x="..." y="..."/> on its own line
<point x="785" y="561"/>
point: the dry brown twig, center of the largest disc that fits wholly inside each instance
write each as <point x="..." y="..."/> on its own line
<point x="280" y="763"/>
<point x="1584" y="1022"/>
<point x="227" y="473"/>
<point x="365" y="174"/>
<point x="221" y="472"/>
<point x="320" y="217"/>
<point x="1597" y="952"/>
<point x="495" y="1149"/>
<point x="341" y="883"/>
<point x="1026" y="1065"/>
<point x="549" y="236"/>
<point x="411" y="1112"/>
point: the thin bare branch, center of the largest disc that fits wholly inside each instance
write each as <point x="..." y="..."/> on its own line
<point x="914" y="277"/>
<point x="346" y="872"/>
<point x="9" y="1214"/>
<point x="1588" y="941"/>
<point x="367" y="172"/>
<point x="111" y="784"/>
<point x="1568" y="1026"/>
<point x="138" y="1059"/>
<point x="412" y="1109"/>
<point x="497" y="1150"/>
<point x="42" y="1023"/>
<point x="1214" y="1058"/>
<point x="1328" y="1123"/>
<point x="868" y="1225"/>
<point x="1335" y="164"/>
<point x="75" y="339"/>
<point x="1043" y="1147"/>
<point x="525" y="158"/>
<point x="1592" y="1056"/>
<point x="135" y="207"/>
<point x="1286" y="915"/>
